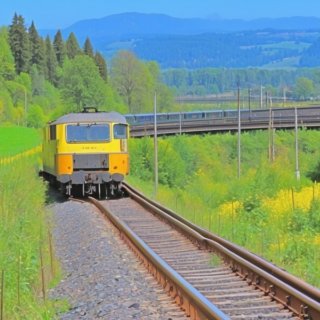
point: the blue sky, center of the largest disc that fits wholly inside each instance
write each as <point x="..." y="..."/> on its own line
<point x="62" y="13"/>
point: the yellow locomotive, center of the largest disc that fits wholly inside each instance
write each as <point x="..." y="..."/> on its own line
<point x="86" y="153"/>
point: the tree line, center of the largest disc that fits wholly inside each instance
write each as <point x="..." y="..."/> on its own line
<point x="298" y="83"/>
<point x="243" y="49"/>
<point x="43" y="78"/>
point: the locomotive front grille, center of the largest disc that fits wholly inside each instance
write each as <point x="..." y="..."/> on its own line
<point x="90" y="162"/>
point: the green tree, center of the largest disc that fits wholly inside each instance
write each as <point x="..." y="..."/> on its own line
<point x="51" y="62"/>
<point x="19" y="43"/>
<point x="101" y="63"/>
<point x="59" y="48"/>
<point x="87" y="48"/>
<point x="304" y="88"/>
<point x="72" y="46"/>
<point x="18" y="115"/>
<point x="165" y="97"/>
<point x="20" y="92"/>
<point x="7" y="68"/>
<point x="37" y="81"/>
<point x="133" y="81"/>
<point x="36" y="117"/>
<point x="36" y="48"/>
<point x="81" y="84"/>
<point x="6" y="105"/>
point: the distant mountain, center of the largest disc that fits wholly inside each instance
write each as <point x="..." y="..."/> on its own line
<point x="271" y="49"/>
<point x="196" y="43"/>
<point x="311" y="56"/>
<point x="119" y="26"/>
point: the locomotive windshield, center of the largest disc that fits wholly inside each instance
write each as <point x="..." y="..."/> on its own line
<point x="88" y="133"/>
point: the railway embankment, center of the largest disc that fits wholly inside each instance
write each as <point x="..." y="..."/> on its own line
<point x="266" y="210"/>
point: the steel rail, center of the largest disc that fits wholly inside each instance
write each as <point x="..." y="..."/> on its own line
<point x="205" y="125"/>
<point x="192" y="301"/>
<point x="281" y="274"/>
<point x="293" y="293"/>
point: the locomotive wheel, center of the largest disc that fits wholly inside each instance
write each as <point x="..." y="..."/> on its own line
<point x="78" y="190"/>
<point x="103" y="191"/>
<point x="63" y="189"/>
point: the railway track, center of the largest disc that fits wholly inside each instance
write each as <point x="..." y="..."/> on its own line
<point x="205" y="126"/>
<point x="224" y="120"/>
<point x="209" y="277"/>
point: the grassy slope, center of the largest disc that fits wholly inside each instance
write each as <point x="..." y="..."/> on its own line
<point x="198" y="176"/>
<point x="17" y="139"/>
<point x="23" y="229"/>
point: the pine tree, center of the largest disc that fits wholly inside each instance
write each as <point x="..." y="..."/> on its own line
<point x="87" y="48"/>
<point x="19" y="43"/>
<point x="36" y="48"/>
<point x="101" y="63"/>
<point x="43" y="49"/>
<point x="59" y="48"/>
<point x="7" y="67"/>
<point x="72" y="46"/>
<point x="51" y="62"/>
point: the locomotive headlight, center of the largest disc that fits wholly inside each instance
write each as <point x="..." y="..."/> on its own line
<point x="123" y="145"/>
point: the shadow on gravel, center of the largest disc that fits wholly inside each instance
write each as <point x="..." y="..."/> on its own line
<point x="54" y="196"/>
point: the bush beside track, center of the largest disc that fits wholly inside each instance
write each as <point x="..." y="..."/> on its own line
<point x="266" y="211"/>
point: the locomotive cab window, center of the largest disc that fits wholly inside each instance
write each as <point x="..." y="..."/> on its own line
<point x="120" y="131"/>
<point x="88" y="133"/>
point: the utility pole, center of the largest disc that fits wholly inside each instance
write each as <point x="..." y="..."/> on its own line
<point x="155" y="147"/>
<point x="249" y="102"/>
<point x="261" y="97"/>
<point x="180" y="117"/>
<point x="25" y="105"/>
<point x="266" y="99"/>
<point x="239" y="133"/>
<point x="296" y="142"/>
<point x="273" y="145"/>
<point x="271" y="134"/>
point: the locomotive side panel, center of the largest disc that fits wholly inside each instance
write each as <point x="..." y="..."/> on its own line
<point x="49" y="149"/>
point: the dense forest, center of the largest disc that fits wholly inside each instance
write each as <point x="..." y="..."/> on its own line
<point x="246" y="49"/>
<point x="200" y="43"/>
<point x="43" y="78"/>
<point x="298" y="83"/>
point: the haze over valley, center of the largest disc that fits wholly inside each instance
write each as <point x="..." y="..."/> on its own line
<point x="197" y="43"/>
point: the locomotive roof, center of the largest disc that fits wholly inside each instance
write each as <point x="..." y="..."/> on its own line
<point x="85" y="117"/>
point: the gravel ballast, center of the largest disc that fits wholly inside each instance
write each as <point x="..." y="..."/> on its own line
<point x="102" y="279"/>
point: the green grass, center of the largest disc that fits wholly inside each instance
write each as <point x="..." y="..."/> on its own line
<point x="292" y="45"/>
<point x="198" y="179"/>
<point x="24" y="231"/>
<point x="283" y="64"/>
<point x="15" y="140"/>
